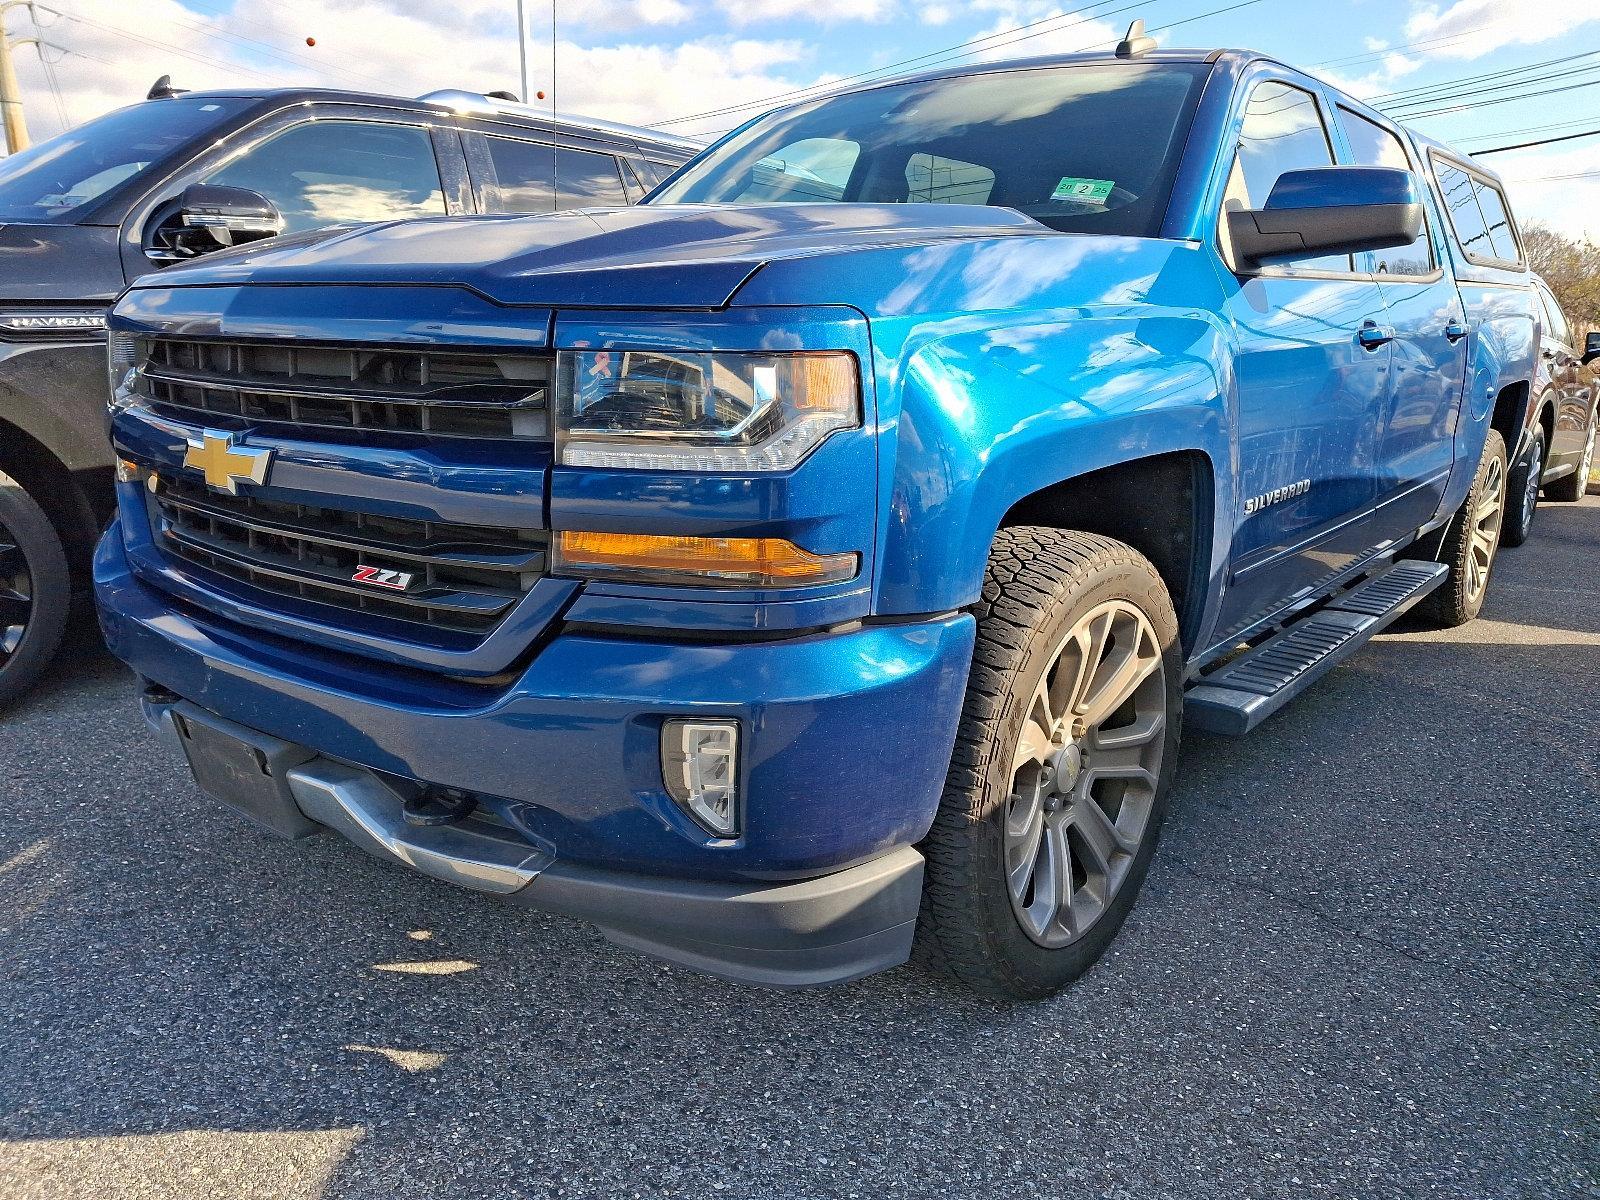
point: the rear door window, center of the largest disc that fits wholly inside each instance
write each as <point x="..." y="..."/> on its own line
<point x="1282" y="131"/>
<point x="331" y="172"/>
<point x="1555" y="320"/>
<point x="531" y="173"/>
<point x="1493" y="206"/>
<point x="1371" y="145"/>
<point x="1478" y="215"/>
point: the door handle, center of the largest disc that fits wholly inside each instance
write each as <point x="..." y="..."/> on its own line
<point x="1373" y="335"/>
<point x="1455" y="331"/>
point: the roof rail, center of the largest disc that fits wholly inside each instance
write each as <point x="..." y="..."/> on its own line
<point x="478" y="102"/>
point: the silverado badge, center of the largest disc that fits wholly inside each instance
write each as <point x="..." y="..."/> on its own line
<point x="225" y="463"/>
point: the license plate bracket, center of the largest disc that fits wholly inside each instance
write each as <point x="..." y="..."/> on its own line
<point x="244" y="769"/>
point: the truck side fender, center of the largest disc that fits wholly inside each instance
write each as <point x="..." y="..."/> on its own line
<point x="988" y="415"/>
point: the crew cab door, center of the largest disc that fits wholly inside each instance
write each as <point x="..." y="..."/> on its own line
<point x="522" y="175"/>
<point x="1309" y="388"/>
<point x="325" y="164"/>
<point x="1570" y="378"/>
<point x="1428" y="356"/>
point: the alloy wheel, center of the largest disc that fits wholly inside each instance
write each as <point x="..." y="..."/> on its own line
<point x="1486" y="519"/>
<point x="1084" y="773"/>
<point x="16" y="596"/>
<point x="1530" y="491"/>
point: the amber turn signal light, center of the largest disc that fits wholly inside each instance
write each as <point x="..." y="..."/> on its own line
<point x="713" y="562"/>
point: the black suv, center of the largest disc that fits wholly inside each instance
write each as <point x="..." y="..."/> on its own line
<point x="181" y="174"/>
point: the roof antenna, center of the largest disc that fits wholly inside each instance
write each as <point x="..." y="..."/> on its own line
<point x="162" y="89"/>
<point x="1135" y="43"/>
<point x="504" y="95"/>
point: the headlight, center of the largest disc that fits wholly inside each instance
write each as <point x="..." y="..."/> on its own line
<point x="655" y="410"/>
<point x="122" y="369"/>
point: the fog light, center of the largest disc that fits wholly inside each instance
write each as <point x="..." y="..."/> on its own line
<point x="700" y="763"/>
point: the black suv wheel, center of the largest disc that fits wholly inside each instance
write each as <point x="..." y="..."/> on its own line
<point x="1572" y="487"/>
<point x="1522" y="493"/>
<point x="1062" y="765"/>
<point x="35" y="590"/>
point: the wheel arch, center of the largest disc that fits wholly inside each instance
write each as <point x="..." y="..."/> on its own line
<point x="1162" y="506"/>
<point x="77" y="503"/>
<point x="1511" y="416"/>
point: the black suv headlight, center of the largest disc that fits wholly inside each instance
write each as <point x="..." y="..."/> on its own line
<point x="670" y="411"/>
<point x="122" y="369"/>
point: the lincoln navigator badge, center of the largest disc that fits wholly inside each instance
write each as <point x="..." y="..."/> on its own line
<point x="225" y="463"/>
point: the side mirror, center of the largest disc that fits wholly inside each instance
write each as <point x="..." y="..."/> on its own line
<point x="1591" y="348"/>
<point x="1329" y="210"/>
<point x="209" y="217"/>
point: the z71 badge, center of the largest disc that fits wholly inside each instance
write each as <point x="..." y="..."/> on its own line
<point x="395" y="581"/>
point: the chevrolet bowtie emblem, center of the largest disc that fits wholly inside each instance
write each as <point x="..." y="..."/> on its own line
<point x="226" y="464"/>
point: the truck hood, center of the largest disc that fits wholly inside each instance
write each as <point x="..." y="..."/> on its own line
<point x="672" y="256"/>
<point x="64" y="264"/>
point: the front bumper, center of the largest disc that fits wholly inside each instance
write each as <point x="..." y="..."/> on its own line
<point x="846" y="742"/>
<point x="819" y="931"/>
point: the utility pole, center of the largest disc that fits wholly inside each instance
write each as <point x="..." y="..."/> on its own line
<point x="522" y="50"/>
<point x="11" y="94"/>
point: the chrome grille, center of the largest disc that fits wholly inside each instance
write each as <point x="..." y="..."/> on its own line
<point x="466" y="578"/>
<point x="438" y="393"/>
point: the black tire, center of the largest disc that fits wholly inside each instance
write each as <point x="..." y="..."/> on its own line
<point x="1571" y="488"/>
<point x="1040" y="586"/>
<point x="1522" y="493"/>
<point x="35" y="591"/>
<point x="1460" y="598"/>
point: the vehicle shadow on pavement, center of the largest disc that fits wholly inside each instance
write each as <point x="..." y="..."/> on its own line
<point x="1365" y="954"/>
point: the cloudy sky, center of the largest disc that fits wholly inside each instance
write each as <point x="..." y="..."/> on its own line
<point x="653" y="61"/>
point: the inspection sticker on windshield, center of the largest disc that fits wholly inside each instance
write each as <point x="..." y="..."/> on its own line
<point x="1085" y="191"/>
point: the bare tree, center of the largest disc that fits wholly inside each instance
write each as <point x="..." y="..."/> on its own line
<point x="1572" y="269"/>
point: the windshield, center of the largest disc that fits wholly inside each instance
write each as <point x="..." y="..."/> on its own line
<point x="52" y="182"/>
<point x="1087" y="148"/>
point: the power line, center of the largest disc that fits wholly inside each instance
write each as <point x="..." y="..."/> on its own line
<point x="1505" y="133"/>
<point x="1467" y="93"/>
<point x="166" y="47"/>
<point x="288" y="57"/>
<point x="774" y="101"/>
<point x="1553" y="178"/>
<point x="796" y="93"/>
<point x="1567" y="137"/>
<point x="1484" y="103"/>
<point x="1436" y="42"/>
<point x="1445" y="85"/>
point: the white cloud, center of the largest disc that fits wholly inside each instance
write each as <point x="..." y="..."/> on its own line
<point x="1380" y="80"/>
<point x="823" y="12"/>
<point x="1555" y="186"/>
<point x="393" y="46"/>
<point x="935" y="14"/>
<point x="619" y="15"/>
<point x="1473" y="28"/>
<point x="1026" y="28"/>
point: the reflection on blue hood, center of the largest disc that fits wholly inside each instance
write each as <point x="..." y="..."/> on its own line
<point x="688" y="256"/>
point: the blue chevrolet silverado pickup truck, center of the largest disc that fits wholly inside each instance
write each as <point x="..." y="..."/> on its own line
<point x="814" y="565"/>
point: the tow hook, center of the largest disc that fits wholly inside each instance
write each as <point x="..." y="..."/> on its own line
<point x="438" y="806"/>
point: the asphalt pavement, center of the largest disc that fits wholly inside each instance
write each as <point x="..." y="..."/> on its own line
<point x="1364" y="965"/>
